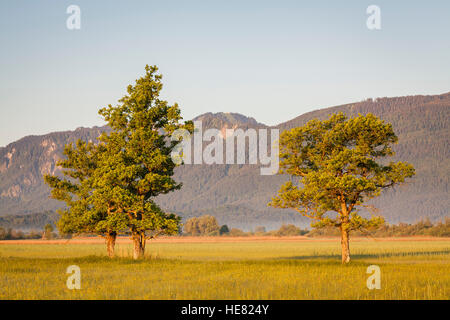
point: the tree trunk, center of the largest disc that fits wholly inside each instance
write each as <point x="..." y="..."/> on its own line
<point x="345" y="245"/>
<point x="110" y="243"/>
<point x="139" y="245"/>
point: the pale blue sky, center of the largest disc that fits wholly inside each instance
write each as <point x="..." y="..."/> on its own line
<point x="272" y="60"/>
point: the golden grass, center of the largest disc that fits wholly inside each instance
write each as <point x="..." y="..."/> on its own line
<point x="247" y="269"/>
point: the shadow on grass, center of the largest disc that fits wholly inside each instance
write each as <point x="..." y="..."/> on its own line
<point x="86" y="259"/>
<point x="370" y="255"/>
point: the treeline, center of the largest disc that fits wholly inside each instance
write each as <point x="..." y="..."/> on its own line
<point x="207" y="225"/>
<point x="421" y="228"/>
<point x="29" y="221"/>
<point x="12" y="234"/>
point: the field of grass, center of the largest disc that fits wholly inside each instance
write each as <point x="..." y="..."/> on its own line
<point x="227" y="270"/>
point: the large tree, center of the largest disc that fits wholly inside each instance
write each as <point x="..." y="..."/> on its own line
<point x="335" y="166"/>
<point x="136" y="165"/>
<point x="80" y="215"/>
<point x="111" y="185"/>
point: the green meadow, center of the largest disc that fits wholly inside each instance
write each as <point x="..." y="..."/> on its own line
<point x="228" y="270"/>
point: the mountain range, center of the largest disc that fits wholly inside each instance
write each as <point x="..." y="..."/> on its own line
<point x="237" y="194"/>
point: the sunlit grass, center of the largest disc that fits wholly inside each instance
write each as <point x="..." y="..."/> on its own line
<point x="231" y="270"/>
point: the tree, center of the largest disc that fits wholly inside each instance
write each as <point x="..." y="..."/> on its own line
<point x="136" y="164"/>
<point x="191" y="226"/>
<point x="235" y="232"/>
<point x="208" y="225"/>
<point x="3" y="234"/>
<point x="80" y="215"/>
<point x="335" y="163"/>
<point x="224" y="230"/>
<point x="288" y="230"/>
<point x="204" y="225"/>
<point x="48" y="229"/>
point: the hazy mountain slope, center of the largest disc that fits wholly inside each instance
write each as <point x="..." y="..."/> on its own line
<point x="238" y="194"/>
<point x="422" y="124"/>
<point x="228" y="120"/>
<point x="235" y="194"/>
<point x="22" y="165"/>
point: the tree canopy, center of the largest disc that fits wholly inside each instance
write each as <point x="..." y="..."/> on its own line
<point x="204" y="225"/>
<point x="118" y="178"/>
<point x="335" y="167"/>
<point x="79" y="216"/>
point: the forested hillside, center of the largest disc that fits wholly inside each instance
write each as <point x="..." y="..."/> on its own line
<point x="422" y="124"/>
<point x="237" y="194"/>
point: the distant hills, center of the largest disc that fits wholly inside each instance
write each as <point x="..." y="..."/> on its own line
<point x="237" y="194"/>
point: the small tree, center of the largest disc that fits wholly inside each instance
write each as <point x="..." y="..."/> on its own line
<point x="335" y="162"/>
<point x="204" y="225"/>
<point x="288" y="230"/>
<point x="224" y="230"/>
<point x="191" y="226"/>
<point x="208" y="225"/>
<point x="48" y="229"/>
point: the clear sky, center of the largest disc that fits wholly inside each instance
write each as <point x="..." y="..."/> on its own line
<point x="272" y="60"/>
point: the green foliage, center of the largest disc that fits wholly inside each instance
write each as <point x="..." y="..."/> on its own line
<point x="80" y="215"/>
<point x="136" y="165"/>
<point x="335" y="162"/>
<point x="111" y="185"/>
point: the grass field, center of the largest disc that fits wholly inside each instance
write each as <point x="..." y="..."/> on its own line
<point x="227" y="269"/>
